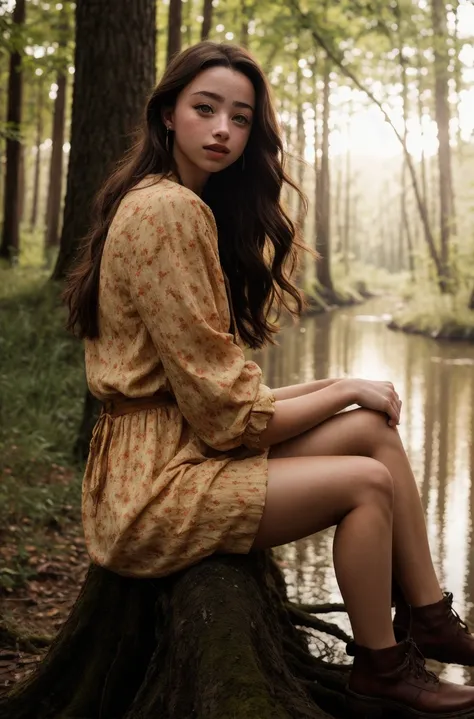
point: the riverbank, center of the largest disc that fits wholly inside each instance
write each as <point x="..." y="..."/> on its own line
<point x="440" y="318"/>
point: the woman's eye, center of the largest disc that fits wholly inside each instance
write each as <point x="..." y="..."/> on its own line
<point x="204" y="109"/>
<point x="242" y="120"/>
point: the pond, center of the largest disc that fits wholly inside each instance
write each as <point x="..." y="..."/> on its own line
<point x="435" y="380"/>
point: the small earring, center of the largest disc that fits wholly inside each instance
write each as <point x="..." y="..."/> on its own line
<point x="243" y="161"/>
<point x="167" y="141"/>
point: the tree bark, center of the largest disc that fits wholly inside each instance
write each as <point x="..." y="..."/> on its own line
<point x="347" y="196"/>
<point x="323" y="246"/>
<point x="10" y="243"/>
<point x="217" y="641"/>
<point x="39" y="138"/>
<point x="115" y="70"/>
<point x="300" y="147"/>
<point x="174" y="29"/>
<point x="53" y="205"/>
<point x="206" y="19"/>
<point x="442" y="114"/>
<point x="246" y="15"/>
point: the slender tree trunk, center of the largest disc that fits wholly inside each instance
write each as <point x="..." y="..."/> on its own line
<point x="21" y="185"/>
<point x="314" y="69"/>
<point x="10" y="243"/>
<point x="347" y="196"/>
<point x="323" y="216"/>
<point x="404" y="228"/>
<point x="39" y="138"/>
<point x="53" y="206"/>
<point x="189" y="23"/>
<point x="337" y="211"/>
<point x="424" y="190"/>
<point x="174" y="29"/>
<point x="442" y="113"/>
<point x="300" y="147"/>
<point x="457" y="46"/>
<point x="207" y="19"/>
<point x="247" y="10"/>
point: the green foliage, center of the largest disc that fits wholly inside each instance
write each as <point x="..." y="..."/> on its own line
<point x="441" y="316"/>
<point x="42" y="388"/>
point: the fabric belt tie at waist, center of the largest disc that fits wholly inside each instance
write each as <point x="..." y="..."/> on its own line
<point x="99" y="451"/>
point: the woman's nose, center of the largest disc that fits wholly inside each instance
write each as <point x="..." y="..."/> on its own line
<point x="221" y="130"/>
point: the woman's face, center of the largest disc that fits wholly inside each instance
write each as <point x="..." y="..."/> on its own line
<point x="211" y="121"/>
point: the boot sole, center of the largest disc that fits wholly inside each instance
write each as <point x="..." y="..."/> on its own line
<point x="364" y="707"/>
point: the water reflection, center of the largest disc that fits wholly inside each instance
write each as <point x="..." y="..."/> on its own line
<point x="436" y="383"/>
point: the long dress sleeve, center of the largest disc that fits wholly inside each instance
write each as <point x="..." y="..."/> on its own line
<point x="178" y="287"/>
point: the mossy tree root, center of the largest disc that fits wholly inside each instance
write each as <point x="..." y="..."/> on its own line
<point x="213" y="642"/>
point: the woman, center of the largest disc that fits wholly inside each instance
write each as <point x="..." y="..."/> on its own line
<point x="192" y="454"/>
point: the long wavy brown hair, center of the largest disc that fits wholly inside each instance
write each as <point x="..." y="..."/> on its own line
<point x="258" y="242"/>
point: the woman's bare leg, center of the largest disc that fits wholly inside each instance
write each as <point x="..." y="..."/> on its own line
<point x="367" y="433"/>
<point x="306" y="495"/>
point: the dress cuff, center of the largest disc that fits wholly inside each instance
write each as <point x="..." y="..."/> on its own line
<point x="262" y="410"/>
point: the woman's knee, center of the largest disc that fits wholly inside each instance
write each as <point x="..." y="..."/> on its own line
<point x="375" y="483"/>
<point x="373" y="430"/>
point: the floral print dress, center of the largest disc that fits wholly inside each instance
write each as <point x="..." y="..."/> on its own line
<point x="185" y="479"/>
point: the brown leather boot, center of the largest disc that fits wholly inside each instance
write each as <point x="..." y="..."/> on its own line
<point x="437" y="630"/>
<point x="393" y="683"/>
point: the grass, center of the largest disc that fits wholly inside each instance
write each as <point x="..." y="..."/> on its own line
<point x="42" y="387"/>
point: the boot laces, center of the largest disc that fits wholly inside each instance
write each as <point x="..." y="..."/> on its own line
<point x="414" y="664"/>
<point x="453" y="615"/>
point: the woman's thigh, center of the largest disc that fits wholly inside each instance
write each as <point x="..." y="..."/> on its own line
<point x="356" y="432"/>
<point x="308" y="494"/>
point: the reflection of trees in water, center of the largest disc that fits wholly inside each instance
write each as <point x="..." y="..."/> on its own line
<point x="469" y="591"/>
<point x="323" y="366"/>
<point x="465" y="390"/>
<point x="407" y="398"/>
<point x="430" y="446"/>
<point x="443" y="414"/>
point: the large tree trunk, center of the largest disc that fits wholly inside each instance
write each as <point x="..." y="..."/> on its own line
<point x="442" y="113"/>
<point x="323" y="266"/>
<point x="174" y="29"/>
<point x="10" y="243"/>
<point x="115" y="70"/>
<point x="217" y="641"/>
<point x="206" y="19"/>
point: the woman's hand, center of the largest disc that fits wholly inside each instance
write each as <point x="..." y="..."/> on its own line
<point x="379" y="396"/>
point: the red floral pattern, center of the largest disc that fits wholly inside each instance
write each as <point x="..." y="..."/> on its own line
<point x="185" y="480"/>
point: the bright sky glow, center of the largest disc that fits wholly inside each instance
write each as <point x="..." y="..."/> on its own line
<point x="368" y="134"/>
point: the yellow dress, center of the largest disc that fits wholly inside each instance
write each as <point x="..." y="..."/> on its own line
<point x="187" y="479"/>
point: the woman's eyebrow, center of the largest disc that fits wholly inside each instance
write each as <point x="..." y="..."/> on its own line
<point x="219" y="98"/>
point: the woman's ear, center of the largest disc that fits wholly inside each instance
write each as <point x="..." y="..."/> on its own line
<point x="167" y="116"/>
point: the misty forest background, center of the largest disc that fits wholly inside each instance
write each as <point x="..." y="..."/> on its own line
<point x="376" y="103"/>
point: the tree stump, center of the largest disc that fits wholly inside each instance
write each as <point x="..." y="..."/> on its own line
<point x="217" y="641"/>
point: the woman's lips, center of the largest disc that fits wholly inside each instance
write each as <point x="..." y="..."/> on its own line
<point x="216" y="153"/>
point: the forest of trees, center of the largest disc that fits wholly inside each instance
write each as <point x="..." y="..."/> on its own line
<point x="333" y="67"/>
<point x="376" y="103"/>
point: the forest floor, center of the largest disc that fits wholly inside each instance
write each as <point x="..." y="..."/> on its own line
<point x="33" y="610"/>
